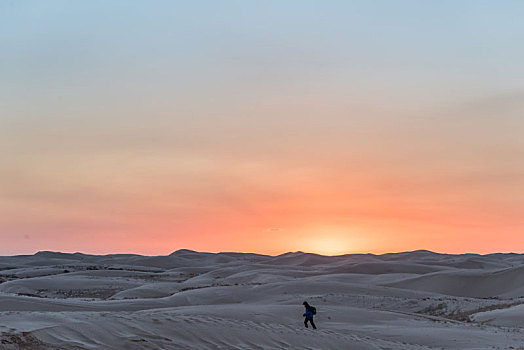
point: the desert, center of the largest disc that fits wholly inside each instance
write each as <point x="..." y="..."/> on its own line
<point x="196" y="300"/>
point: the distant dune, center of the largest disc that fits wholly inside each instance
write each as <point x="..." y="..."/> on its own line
<point x="193" y="300"/>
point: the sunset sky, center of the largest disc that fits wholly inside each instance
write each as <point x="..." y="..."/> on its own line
<point x="261" y="126"/>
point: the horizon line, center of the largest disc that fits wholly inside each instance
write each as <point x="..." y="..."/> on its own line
<point x="262" y="254"/>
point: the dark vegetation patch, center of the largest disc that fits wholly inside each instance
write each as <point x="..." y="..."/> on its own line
<point x="26" y="340"/>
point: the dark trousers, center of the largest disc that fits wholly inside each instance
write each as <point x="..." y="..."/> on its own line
<point x="310" y="321"/>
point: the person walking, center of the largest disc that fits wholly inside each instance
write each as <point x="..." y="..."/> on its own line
<point x="310" y="312"/>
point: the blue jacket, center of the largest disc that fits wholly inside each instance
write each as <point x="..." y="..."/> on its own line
<point x="309" y="313"/>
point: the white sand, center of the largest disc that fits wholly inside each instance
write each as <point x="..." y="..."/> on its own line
<point x="190" y="300"/>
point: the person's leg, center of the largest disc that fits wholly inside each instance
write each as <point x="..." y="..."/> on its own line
<point x="305" y="322"/>
<point x="312" y="323"/>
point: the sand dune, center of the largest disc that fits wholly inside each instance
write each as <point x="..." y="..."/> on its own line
<point x="192" y="300"/>
<point x="508" y="282"/>
<point x="512" y="316"/>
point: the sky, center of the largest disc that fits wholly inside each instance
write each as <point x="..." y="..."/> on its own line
<point x="330" y="127"/>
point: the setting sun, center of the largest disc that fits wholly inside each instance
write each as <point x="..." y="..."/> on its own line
<point x="331" y="240"/>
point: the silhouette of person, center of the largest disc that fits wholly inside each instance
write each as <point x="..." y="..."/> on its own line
<point x="309" y="315"/>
